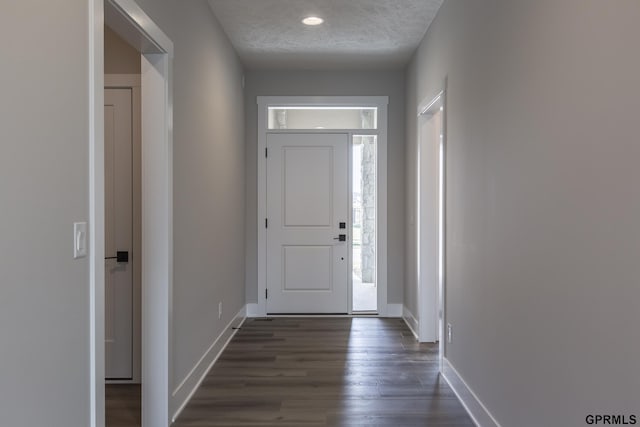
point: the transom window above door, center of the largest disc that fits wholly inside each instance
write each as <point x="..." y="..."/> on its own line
<point x="296" y="117"/>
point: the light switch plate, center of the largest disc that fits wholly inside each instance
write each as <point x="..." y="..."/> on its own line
<point x="79" y="240"/>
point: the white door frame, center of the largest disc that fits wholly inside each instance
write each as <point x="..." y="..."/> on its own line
<point x="379" y="102"/>
<point x="430" y="206"/>
<point x="127" y="19"/>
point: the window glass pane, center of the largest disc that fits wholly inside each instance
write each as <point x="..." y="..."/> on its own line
<point x="365" y="294"/>
<point x="323" y="118"/>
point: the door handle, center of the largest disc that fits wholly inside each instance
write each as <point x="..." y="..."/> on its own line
<point x="341" y="238"/>
<point x="121" y="256"/>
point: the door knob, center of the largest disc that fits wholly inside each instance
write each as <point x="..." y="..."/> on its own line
<point x="341" y="238"/>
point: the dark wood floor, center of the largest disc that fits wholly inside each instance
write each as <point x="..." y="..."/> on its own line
<point x="122" y="405"/>
<point x="315" y="372"/>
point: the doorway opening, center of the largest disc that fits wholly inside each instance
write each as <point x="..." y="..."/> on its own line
<point x="123" y="290"/>
<point x="431" y="189"/>
<point x="154" y="52"/>
<point x="342" y="251"/>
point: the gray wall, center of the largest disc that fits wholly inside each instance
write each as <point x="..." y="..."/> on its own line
<point x="330" y="83"/>
<point x="119" y="56"/>
<point x="543" y="205"/>
<point x="209" y="176"/>
<point x="44" y="293"/>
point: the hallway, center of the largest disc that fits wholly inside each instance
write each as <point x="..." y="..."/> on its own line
<point x="538" y="212"/>
<point x="325" y="372"/>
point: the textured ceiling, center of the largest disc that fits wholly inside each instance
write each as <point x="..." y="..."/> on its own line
<point x="356" y="33"/>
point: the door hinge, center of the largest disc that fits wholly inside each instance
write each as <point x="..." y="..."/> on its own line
<point x="266" y="152"/>
<point x="266" y="294"/>
<point x="266" y="223"/>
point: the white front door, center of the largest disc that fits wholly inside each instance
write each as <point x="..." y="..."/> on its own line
<point x="307" y="203"/>
<point x="118" y="234"/>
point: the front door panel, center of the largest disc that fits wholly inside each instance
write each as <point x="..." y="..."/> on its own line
<point x="307" y="198"/>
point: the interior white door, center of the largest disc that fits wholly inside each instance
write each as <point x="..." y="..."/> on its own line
<point x="118" y="234"/>
<point x="307" y="200"/>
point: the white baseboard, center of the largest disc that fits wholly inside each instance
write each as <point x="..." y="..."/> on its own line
<point x="411" y="321"/>
<point x="394" y="310"/>
<point x="185" y="390"/>
<point x="252" y="310"/>
<point x="476" y="409"/>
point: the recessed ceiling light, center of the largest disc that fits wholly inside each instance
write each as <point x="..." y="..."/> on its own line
<point x="312" y="20"/>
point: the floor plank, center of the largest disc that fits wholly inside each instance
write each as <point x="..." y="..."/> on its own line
<point x="122" y="405"/>
<point x="320" y="372"/>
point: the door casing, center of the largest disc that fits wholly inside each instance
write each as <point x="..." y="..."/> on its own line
<point x="131" y="23"/>
<point x="379" y="102"/>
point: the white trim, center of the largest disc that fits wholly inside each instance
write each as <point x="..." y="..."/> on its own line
<point x="157" y="240"/>
<point x="379" y="102"/>
<point x="393" y="310"/>
<point x="410" y="320"/>
<point x="262" y="208"/>
<point x="130" y="21"/>
<point x="358" y="132"/>
<point x="133" y="82"/>
<point x="382" y="244"/>
<point x="96" y="213"/>
<point x="473" y="405"/>
<point x="356" y="315"/>
<point x="323" y="101"/>
<point x="252" y="310"/>
<point x="442" y="282"/>
<point x="191" y="382"/>
<point x="427" y="104"/>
